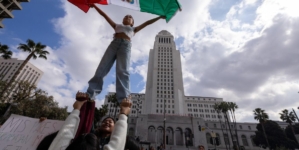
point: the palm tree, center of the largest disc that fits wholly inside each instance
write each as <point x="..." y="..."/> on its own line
<point x="261" y="116"/>
<point x="232" y="106"/>
<point x="4" y="50"/>
<point x="218" y="110"/>
<point x="36" y="50"/>
<point x="288" y="118"/>
<point x="224" y="108"/>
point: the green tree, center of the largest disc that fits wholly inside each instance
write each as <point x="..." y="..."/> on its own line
<point x="112" y="99"/>
<point x="276" y="137"/>
<point x="5" y="52"/>
<point x="28" y="100"/>
<point x="103" y="111"/>
<point x="290" y="134"/>
<point x="35" y="50"/>
<point x="100" y="113"/>
<point x="289" y="118"/>
<point x="261" y="116"/>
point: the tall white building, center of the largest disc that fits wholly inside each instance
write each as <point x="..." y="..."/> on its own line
<point x="30" y="73"/>
<point x="184" y="115"/>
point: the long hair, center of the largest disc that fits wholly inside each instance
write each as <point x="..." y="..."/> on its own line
<point x="132" y="144"/>
<point x="87" y="141"/>
<point x="46" y="142"/>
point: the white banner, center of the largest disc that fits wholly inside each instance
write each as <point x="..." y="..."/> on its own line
<point x="24" y="133"/>
<point x="132" y="4"/>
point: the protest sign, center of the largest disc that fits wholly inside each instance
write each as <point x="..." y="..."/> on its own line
<point x="24" y="133"/>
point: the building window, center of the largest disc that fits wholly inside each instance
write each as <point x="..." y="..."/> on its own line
<point x="249" y="127"/>
<point x="240" y="127"/>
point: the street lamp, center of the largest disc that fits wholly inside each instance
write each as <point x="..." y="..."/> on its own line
<point x="164" y="138"/>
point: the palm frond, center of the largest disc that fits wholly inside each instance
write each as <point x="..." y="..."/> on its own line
<point x="31" y="44"/>
<point x="40" y="46"/>
<point x="42" y="56"/>
<point x="24" y="48"/>
<point x="3" y="48"/>
<point x="7" y="55"/>
<point x="34" y="56"/>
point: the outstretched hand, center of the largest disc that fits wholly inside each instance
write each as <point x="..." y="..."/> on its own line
<point x="78" y="104"/>
<point x="125" y="106"/>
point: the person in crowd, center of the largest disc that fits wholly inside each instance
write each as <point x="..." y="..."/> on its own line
<point x="90" y="141"/>
<point x="70" y="126"/>
<point x="46" y="141"/>
<point x="201" y="147"/>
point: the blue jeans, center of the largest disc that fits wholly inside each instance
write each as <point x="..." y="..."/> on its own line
<point x="119" y="50"/>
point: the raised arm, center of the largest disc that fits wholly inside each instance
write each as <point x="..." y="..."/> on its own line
<point x="104" y="15"/>
<point x="138" y="28"/>
<point x="69" y="128"/>
<point x="118" y="136"/>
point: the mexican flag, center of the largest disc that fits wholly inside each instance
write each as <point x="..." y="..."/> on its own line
<point x="166" y="8"/>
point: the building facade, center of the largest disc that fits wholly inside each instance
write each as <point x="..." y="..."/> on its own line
<point x="6" y="8"/>
<point x="30" y="73"/>
<point x="188" y="121"/>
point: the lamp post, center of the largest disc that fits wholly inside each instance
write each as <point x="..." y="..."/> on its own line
<point x="213" y="135"/>
<point x="164" y="138"/>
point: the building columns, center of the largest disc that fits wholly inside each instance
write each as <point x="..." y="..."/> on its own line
<point x="184" y="139"/>
<point x="174" y="139"/>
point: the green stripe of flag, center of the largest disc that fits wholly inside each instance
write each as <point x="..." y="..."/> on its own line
<point x="166" y="8"/>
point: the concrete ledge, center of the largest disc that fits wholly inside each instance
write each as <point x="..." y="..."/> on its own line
<point x="7" y="14"/>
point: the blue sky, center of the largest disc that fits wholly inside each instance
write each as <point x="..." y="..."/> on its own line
<point x="241" y="51"/>
<point x="34" y="22"/>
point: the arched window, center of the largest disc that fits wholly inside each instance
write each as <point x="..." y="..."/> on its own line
<point x="151" y="134"/>
<point x="188" y="136"/>
<point x="160" y="135"/>
<point x="244" y="140"/>
<point x="179" y="136"/>
<point x="169" y="136"/>
<point x="208" y="136"/>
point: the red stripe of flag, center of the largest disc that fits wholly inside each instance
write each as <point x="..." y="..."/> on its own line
<point x="83" y="4"/>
